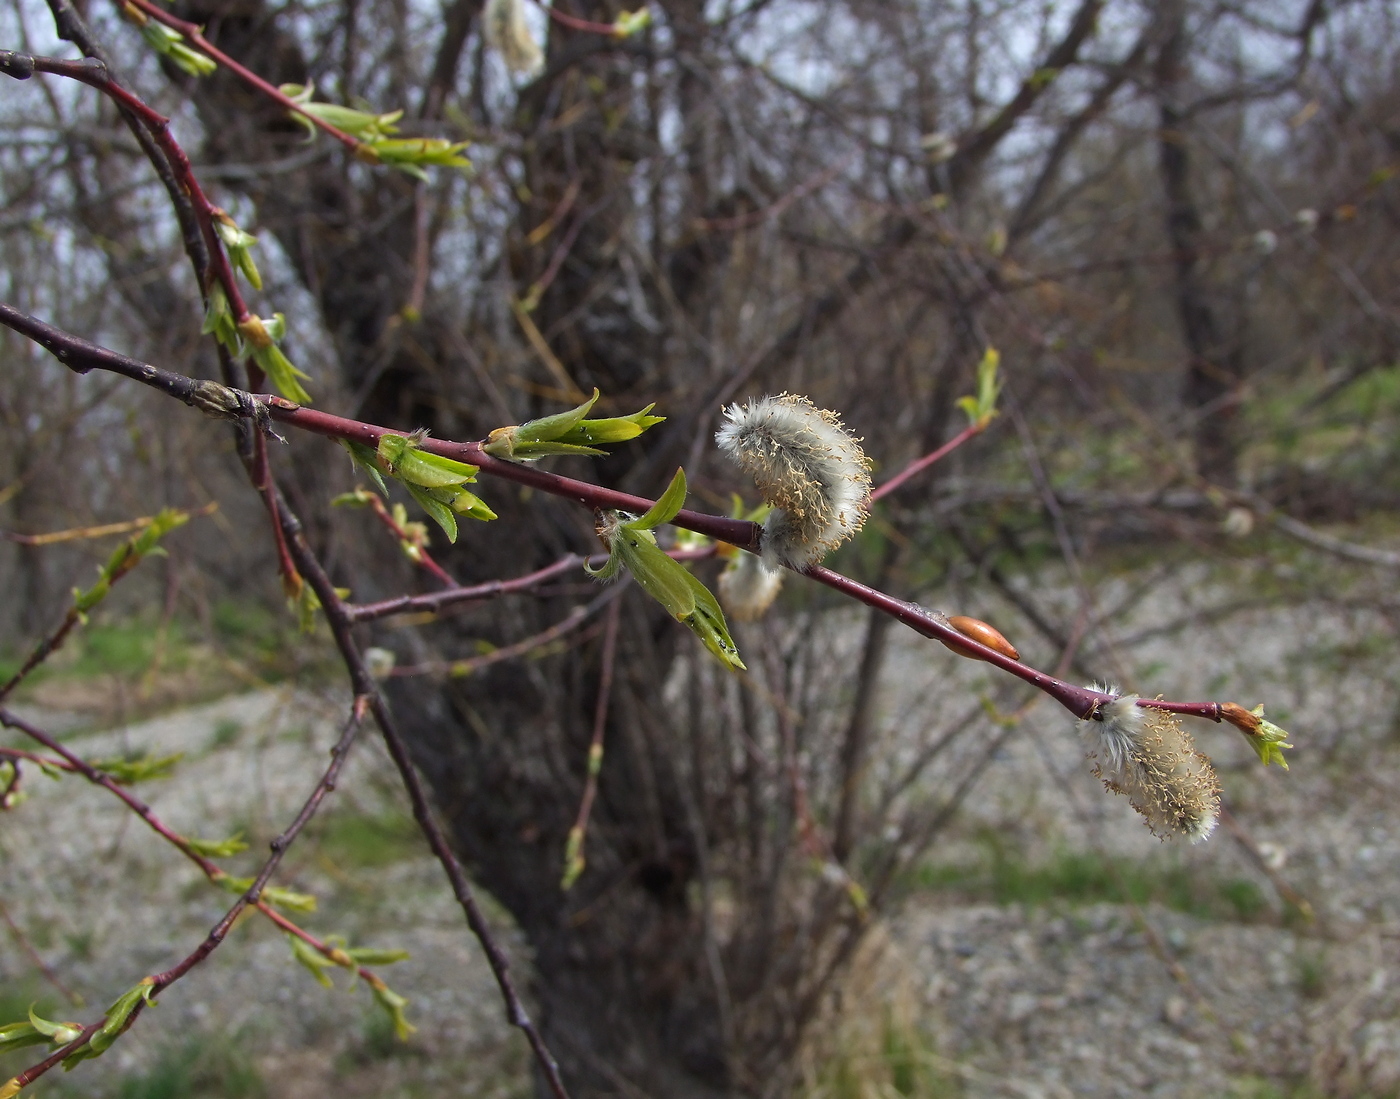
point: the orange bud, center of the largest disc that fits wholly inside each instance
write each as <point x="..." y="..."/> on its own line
<point x="979" y="631"/>
<point x="1246" y="722"/>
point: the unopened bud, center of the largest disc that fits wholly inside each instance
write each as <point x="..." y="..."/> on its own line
<point x="979" y="631"/>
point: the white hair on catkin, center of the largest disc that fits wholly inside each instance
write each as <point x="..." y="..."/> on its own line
<point x="807" y="466"/>
<point x="508" y="32"/>
<point x="747" y="587"/>
<point x="1147" y="755"/>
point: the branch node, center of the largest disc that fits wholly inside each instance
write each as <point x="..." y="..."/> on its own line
<point x="18" y="65"/>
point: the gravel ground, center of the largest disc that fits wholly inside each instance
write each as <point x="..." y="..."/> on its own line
<point x="1050" y="1000"/>
<point x="249" y="762"/>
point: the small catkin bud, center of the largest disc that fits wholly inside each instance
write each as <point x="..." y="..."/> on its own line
<point x="981" y="631"/>
<point x="1146" y="755"/>
<point x="807" y="466"/>
<point x="508" y="32"/>
<point x="747" y="587"/>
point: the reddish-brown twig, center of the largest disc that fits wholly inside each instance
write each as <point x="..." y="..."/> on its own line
<point x="341" y="628"/>
<point x="914" y="468"/>
<point x="81" y="355"/>
<point x="535" y="643"/>
<point x="251" y="896"/>
<point x="35" y="957"/>
<point x="195" y="33"/>
<point x="573" y="22"/>
<point x="94" y="74"/>
<point x="420" y="554"/>
<point x="437" y="601"/>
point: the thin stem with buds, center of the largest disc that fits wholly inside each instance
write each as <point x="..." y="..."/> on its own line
<point x="1082" y="702"/>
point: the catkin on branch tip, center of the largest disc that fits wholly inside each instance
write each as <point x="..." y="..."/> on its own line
<point x="807" y="466"/>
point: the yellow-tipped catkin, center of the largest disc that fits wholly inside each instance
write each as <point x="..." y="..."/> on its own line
<point x="1147" y="755"/>
<point x="747" y="587"/>
<point x="807" y="466"/>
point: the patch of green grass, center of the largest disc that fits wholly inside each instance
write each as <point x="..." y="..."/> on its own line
<point x="1079" y="878"/>
<point x="226" y="732"/>
<point x="1256" y="1087"/>
<point x="1310" y="972"/>
<point x="366" y="842"/>
<point x="896" y="1060"/>
<point x="199" y="1067"/>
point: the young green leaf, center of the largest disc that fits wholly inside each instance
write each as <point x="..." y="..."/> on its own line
<point x="217" y="849"/>
<point x="412" y="154"/>
<point x="142" y="769"/>
<point x="312" y="960"/>
<point x="665" y="509"/>
<point x="403" y="458"/>
<point x="364" y="459"/>
<point x="358" y="124"/>
<point x="60" y="1034"/>
<point x="632" y="545"/>
<point x="19" y="1035"/>
<point x="441" y="514"/>
<point x="117" y="1015"/>
<point x="394" y="1004"/>
<point x="982" y="408"/>
<point x="368" y="955"/>
<point x="286" y="898"/>
<point x="568" y="433"/>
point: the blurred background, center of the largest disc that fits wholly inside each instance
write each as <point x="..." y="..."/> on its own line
<point x="867" y="868"/>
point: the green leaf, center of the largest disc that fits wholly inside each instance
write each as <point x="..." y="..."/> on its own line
<point x="288" y="899"/>
<point x="118" y="1014"/>
<point x="615" y="429"/>
<point x="467" y="503"/>
<point x="171" y="44"/>
<point x="665" y="509"/>
<point x="359" y="124"/>
<point x="142" y="769"/>
<point x="568" y="433"/>
<point x="629" y="23"/>
<point x="412" y="154"/>
<point x="394" y="1004"/>
<point x="708" y="624"/>
<point x="19" y="1035"/>
<point x="313" y="960"/>
<point x="550" y="428"/>
<point x="404" y="459"/>
<point x="229" y="884"/>
<point x="238" y="243"/>
<point x="368" y="955"/>
<point x="660" y="576"/>
<point x="364" y="459"/>
<point x="283" y="374"/>
<point x="440" y="512"/>
<point x="983" y="408"/>
<point x="217" y="849"/>
<point x="60" y="1034"/>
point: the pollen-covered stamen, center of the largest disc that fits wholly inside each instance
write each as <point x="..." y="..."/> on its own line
<point x="1146" y="755"/>
<point x="807" y="466"/>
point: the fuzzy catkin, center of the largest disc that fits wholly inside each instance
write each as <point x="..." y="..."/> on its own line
<point x="807" y="466"/>
<point x="1147" y="755"/>
<point x="508" y="32"/>
<point x="747" y="587"/>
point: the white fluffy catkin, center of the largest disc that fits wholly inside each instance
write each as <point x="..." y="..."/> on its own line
<point x="1146" y="755"/>
<point x="508" y="32"/>
<point x="807" y="466"/>
<point x="747" y="587"/>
